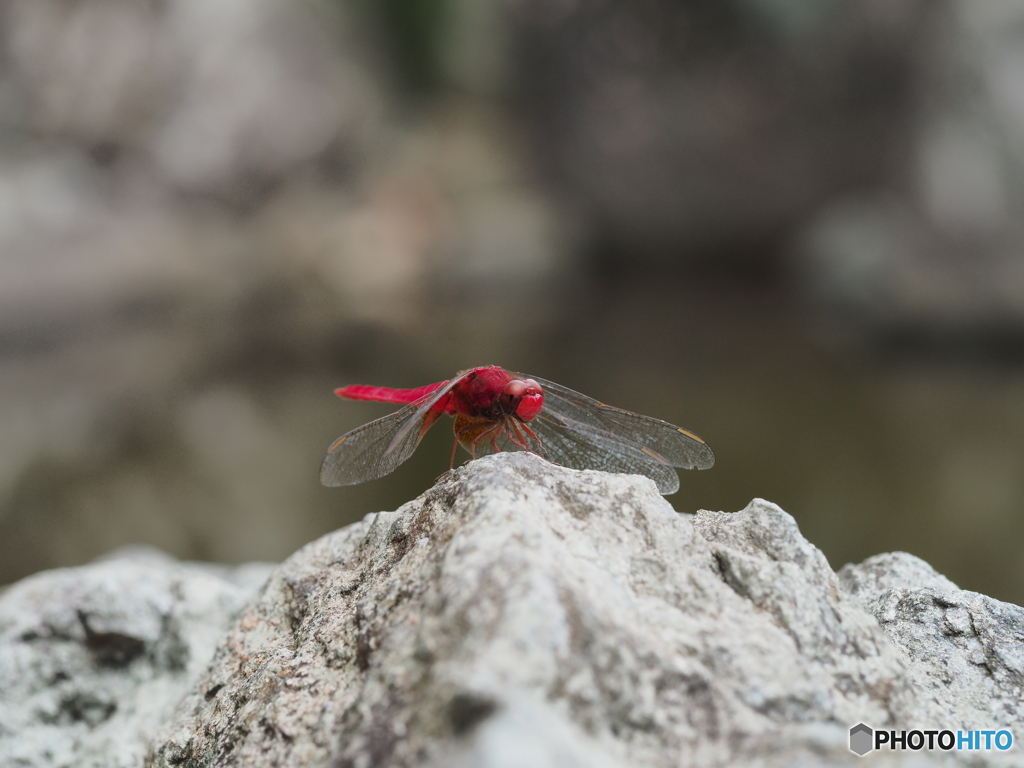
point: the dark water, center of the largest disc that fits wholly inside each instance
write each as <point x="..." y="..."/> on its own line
<point x="871" y="448"/>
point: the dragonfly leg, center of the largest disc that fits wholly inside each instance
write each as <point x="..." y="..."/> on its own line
<point x="514" y="435"/>
<point x="518" y="433"/>
<point x="536" y="441"/>
<point x="493" y="433"/>
<point x="471" y="431"/>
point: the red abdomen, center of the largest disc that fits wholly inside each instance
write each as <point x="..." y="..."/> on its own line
<point x="386" y="394"/>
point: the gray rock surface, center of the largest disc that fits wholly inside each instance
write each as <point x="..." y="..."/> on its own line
<point x="517" y="614"/>
<point x="521" y="614"/>
<point x="963" y="651"/>
<point x="93" y="659"/>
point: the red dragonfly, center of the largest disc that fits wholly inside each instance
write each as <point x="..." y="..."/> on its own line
<point x="497" y="410"/>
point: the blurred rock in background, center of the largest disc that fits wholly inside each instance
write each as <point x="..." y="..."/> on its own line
<point x="705" y="130"/>
<point x="209" y="216"/>
<point x="789" y="227"/>
<point x="934" y="251"/>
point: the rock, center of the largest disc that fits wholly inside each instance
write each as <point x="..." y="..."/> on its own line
<point x="962" y="650"/>
<point x="212" y="99"/>
<point x="516" y="614"/>
<point x="672" y="125"/>
<point x="93" y="659"/>
<point x="521" y="614"/>
<point x="937" y="261"/>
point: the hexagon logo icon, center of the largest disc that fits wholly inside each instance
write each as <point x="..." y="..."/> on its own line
<point x="861" y="738"/>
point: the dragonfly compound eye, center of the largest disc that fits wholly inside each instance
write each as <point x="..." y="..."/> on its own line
<point x="523" y="397"/>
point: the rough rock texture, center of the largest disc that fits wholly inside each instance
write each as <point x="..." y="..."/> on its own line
<point x="93" y="659"/>
<point x="521" y="614"/>
<point x="963" y="651"/>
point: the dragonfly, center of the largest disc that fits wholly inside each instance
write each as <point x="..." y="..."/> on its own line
<point x="498" y="410"/>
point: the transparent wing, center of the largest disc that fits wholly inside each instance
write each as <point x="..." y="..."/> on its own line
<point x="378" y="448"/>
<point x="581" y="446"/>
<point x="672" y="445"/>
<point x="580" y="432"/>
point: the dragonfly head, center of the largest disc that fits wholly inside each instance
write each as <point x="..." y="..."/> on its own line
<point x="523" y="398"/>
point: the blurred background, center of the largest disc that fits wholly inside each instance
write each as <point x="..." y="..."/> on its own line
<point x="794" y="228"/>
